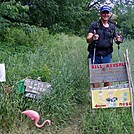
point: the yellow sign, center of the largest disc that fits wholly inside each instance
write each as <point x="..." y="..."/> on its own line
<point x="111" y="98"/>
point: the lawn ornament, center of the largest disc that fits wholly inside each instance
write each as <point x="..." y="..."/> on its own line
<point x="33" y="115"/>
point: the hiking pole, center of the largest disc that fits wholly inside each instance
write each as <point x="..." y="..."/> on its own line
<point x="118" y="43"/>
<point x="118" y="51"/>
<point x="94" y="51"/>
<point x="95" y="43"/>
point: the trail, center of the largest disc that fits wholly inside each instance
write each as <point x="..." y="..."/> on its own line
<point x="74" y="129"/>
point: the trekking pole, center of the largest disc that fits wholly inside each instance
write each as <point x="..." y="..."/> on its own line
<point x="119" y="47"/>
<point x="95" y="43"/>
<point x="94" y="51"/>
<point x="118" y="51"/>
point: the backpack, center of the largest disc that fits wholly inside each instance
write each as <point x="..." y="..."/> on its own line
<point x="113" y="18"/>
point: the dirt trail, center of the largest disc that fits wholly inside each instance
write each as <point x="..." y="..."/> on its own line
<point x="74" y="129"/>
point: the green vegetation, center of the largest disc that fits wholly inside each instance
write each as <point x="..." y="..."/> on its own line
<point x="58" y="16"/>
<point x="62" y="61"/>
<point x="38" y="39"/>
<point x="56" y="59"/>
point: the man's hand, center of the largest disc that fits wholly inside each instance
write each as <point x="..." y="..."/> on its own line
<point x="92" y="36"/>
<point x="118" y="38"/>
<point x="95" y="36"/>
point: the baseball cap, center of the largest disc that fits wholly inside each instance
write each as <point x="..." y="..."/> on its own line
<point x="105" y="8"/>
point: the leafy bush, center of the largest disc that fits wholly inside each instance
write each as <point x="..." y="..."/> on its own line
<point x="13" y="14"/>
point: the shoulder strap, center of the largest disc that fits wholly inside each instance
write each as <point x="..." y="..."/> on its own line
<point x="96" y="25"/>
<point x="111" y="27"/>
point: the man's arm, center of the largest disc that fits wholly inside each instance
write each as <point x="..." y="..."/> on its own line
<point x="92" y="36"/>
<point x="117" y="37"/>
<point x="89" y="37"/>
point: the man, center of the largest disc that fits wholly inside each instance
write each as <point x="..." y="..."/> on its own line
<point x="100" y="38"/>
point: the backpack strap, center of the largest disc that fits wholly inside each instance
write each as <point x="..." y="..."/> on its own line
<point x="111" y="28"/>
<point x="96" y="25"/>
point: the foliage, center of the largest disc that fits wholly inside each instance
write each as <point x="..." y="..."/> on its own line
<point x="58" y="16"/>
<point x="14" y="11"/>
<point x="13" y="14"/>
<point x="57" y="60"/>
<point x="62" y="61"/>
<point x="127" y="26"/>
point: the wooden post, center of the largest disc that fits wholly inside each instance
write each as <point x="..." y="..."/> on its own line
<point x="89" y="67"/>
<point x="130" y="83"/>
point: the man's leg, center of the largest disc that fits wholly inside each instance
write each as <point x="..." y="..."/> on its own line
<point x="107" y="84"/>
<point x="96" y="85"/>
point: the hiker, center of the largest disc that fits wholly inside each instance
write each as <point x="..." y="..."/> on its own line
<point x="100" y="39"/>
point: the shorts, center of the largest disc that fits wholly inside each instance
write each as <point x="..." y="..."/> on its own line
<point x="100" y="59"/>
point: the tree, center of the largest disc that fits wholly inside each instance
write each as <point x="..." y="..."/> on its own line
<point x="58" y="15"/>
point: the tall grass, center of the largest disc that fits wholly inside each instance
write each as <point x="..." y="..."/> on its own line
<point x="111" y="121"/>
<point x="60" y="60"/>
<point x="57" y="59"/>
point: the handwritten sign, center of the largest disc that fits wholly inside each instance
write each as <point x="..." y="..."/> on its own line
<point x="35" y="88"/>
<point x="111" y="98"/>
<point x="111" y="72"/>
<point x="2" y="73"/>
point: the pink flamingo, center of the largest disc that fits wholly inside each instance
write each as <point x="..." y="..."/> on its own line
<point x="35" y="116"/>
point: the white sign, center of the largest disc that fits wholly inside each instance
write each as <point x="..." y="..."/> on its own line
<point x="2" y="73"/>
<point x="34" y="88"/>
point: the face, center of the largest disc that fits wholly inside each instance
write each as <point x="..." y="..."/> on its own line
<point x="105" y="15"/>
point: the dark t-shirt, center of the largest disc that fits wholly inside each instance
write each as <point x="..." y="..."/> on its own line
<point x="104" y="44"/>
